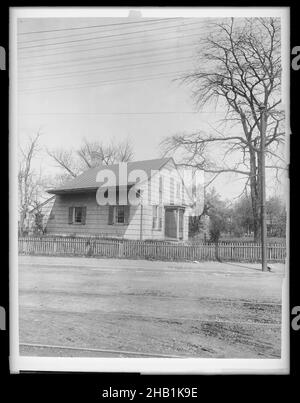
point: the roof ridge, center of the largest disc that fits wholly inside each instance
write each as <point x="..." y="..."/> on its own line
<point x="137" y="161"/>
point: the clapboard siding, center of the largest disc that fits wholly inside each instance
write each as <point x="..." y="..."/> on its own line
<point x="96" y="218"/>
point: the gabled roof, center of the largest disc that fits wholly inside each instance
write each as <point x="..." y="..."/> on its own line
<point x="87" y="180"/>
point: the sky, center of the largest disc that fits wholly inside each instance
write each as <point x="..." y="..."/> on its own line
<point x="111" y="79"/>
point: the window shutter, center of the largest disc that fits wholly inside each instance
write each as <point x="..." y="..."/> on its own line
<point x="160" y="218"/>
<point x="111" y="215"/>
<point x="71" y="215"/>
<point x="126" y="214"/>
<point x="154" y="211"/>
<point x="178" y="191"/>
<point x="83" y="215"/>
<point x="160" y="188"/>
<point x="172" y="186"/>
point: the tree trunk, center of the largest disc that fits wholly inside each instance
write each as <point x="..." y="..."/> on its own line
<point x="22" y="222"/>
<point x="255" y="194"/>
<point x="217" y="251"/>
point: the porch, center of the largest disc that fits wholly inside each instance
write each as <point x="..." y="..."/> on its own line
<point x="174" y="222"/>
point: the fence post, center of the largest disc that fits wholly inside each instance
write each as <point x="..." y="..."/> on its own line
<point x="121" y="249"/>
<point x="232" y="253"/>
<point x="217" y="251"/>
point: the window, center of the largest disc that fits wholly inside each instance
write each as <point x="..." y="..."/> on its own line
<point x="157" y="217"/>
<point x="77" y="219"/>
<point x="120" y="215"/>
<point x="77" y="215"/>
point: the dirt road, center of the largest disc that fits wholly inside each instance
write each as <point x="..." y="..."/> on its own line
<point x="142" y="308"/>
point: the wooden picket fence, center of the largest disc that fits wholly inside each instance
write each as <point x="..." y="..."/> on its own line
<point x="93" y="247"/>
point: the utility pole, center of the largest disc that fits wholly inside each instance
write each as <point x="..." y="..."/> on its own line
<point x="263" y="223"/>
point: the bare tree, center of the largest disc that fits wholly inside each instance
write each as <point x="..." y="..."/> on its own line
<point x="96" y="153"/>
<point x="240" y="70"/>
<point x="91" y="154"/>
<point x="30" y="182"/>
<point x="65" y="160"/>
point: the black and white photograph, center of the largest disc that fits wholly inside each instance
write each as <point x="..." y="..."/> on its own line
<point x="150" y="184"/>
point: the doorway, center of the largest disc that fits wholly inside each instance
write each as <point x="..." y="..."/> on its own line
<point x="174" y="222"/>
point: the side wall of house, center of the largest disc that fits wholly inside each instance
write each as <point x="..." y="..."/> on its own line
<point x="96" y="218"/>
<point x="168" y="189"/>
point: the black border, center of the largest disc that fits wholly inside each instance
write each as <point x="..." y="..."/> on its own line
<point x="86" y="387"/>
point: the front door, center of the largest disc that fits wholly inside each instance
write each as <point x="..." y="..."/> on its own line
<point x="171" y="223"/>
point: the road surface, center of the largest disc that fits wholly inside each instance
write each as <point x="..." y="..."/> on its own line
<point x="137" y="308"/>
